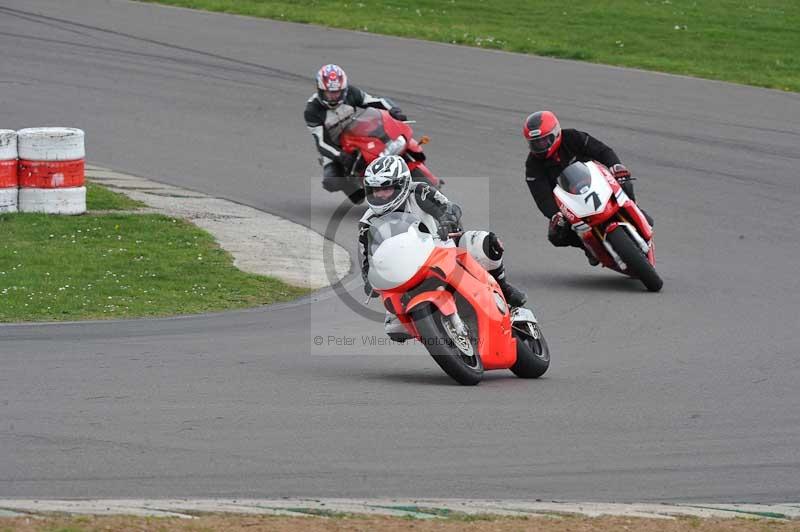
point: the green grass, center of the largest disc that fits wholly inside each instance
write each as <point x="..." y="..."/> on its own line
<point x="119" y="266"/>
<point x="99" y="198"/>
<point x="756" y="42"/>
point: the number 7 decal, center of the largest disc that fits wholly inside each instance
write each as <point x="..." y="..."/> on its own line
<point x="596" y="200"/>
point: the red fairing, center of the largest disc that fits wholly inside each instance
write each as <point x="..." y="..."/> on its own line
<point x="413" y="145"/>
<point x="396" y="128"/>
<point x="637" y="218"/>
<point x="369" y="133"/>
<point x="610" y="210"/>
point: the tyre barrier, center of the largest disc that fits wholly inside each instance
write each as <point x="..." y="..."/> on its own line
<point x="51" y="170"/>
<point x="8" y="171"/>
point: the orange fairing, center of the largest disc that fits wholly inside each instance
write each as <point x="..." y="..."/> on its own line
<point x="497" y="346"/>
<point x="442" y="299"/>
<point x="459" y="272"/>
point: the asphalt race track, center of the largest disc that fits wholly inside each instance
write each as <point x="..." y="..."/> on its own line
<point x="689" y="394"/>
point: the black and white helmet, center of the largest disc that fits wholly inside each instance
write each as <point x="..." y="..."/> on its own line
<point x="387" y="182"/>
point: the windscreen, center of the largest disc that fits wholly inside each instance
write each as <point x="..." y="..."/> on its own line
<point x="367" y="123"/>
<point x="575" y="178"/>
<point x="387" y="226"/>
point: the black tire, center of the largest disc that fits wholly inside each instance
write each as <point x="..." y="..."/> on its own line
<point x="466" y="371"/>
<point x="533" y="354"/>
<point x="638" y="265"/>
<point x="357" y="197"/>
<point x="419" y="175"/>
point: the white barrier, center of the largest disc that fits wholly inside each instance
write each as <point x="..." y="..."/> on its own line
<point x="53" y="200"/>
<point x="8" y="171"/>
<point x="51" y="170"/>
<point x="51" y="144"/>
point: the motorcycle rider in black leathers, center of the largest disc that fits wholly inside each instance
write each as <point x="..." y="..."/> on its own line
<point x="389" y="188"/>
<point x="326" y="111"/>
<point x="553" y="149"/>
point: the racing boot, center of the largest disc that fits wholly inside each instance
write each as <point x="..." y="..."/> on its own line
<point x="514" y="297"/>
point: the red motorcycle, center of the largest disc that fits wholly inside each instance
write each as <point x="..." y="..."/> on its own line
<point x="451" y="304"/>
<point x="610" y="224"/>
<point x="371" y="133"/>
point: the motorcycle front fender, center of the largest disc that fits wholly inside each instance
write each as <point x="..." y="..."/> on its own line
<point x="441" y="299"/>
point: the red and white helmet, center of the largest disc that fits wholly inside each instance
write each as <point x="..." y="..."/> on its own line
<point x="543" y="133"/>
<point x="331" y="85"/>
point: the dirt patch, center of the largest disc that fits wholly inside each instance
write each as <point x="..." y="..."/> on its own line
<point x="232" y="523"/>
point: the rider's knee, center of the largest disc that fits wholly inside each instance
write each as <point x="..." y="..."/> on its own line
<point x="484" y="247"/>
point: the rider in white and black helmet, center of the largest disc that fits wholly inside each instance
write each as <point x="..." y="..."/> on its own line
<point x="389" y="188"/>
<point x="333" y="103"/>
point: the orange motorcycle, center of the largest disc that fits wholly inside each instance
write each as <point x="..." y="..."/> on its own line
<point x="450" y="304"/>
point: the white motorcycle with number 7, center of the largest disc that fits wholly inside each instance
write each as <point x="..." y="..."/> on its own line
<point x="609" y="223"/>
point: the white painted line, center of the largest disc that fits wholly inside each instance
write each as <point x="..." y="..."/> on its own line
<point x="419" y="508"/>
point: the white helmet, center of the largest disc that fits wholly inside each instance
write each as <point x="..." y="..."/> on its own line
<point x="387" y="182"/>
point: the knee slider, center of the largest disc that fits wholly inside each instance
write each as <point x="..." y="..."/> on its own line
<point x="493" y="247"/>
<point x="484" y="247"/>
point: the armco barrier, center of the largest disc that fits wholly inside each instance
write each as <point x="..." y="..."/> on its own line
<point x="51" y="170"/>
<point x="8" y="171"/>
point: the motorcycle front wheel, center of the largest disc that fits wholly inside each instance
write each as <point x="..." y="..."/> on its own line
<point x="638" y="265"/>
<point x="456" y="353"/>
<point x="419" y="175"/>
<point x="533" y="354"/>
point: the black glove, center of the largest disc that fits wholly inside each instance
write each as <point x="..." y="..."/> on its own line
<point x="556" y="227"/>
<point x="560" y="233"/>
<point x="446" y="226"/>
<point x="620" y="173"/>
<point x="449" y="220"/>
<point x="347" y="160"/>
<point x="398" y="114"/>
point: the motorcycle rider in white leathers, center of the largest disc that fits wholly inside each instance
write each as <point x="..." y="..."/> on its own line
<point x="389" y="188"/>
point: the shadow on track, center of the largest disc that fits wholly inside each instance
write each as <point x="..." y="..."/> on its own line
<point x="581" y="283"/>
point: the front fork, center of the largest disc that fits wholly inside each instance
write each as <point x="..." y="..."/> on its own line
<point x="632" y="232"/>
<point x="524" y="322"/>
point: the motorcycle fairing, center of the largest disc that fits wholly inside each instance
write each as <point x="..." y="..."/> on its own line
<point x="399" y="259"/>
<point x="591" y="199"/>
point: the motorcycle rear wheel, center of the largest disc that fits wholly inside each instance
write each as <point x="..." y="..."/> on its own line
<point x="638" y="265"/>
<point x="456" y="355"/>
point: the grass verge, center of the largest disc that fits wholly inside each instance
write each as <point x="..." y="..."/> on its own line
<point x="119" y="266"/>
<point x="231" y="523"/>
<point x="753" y="42"/>
<point x="99" y="198"/>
